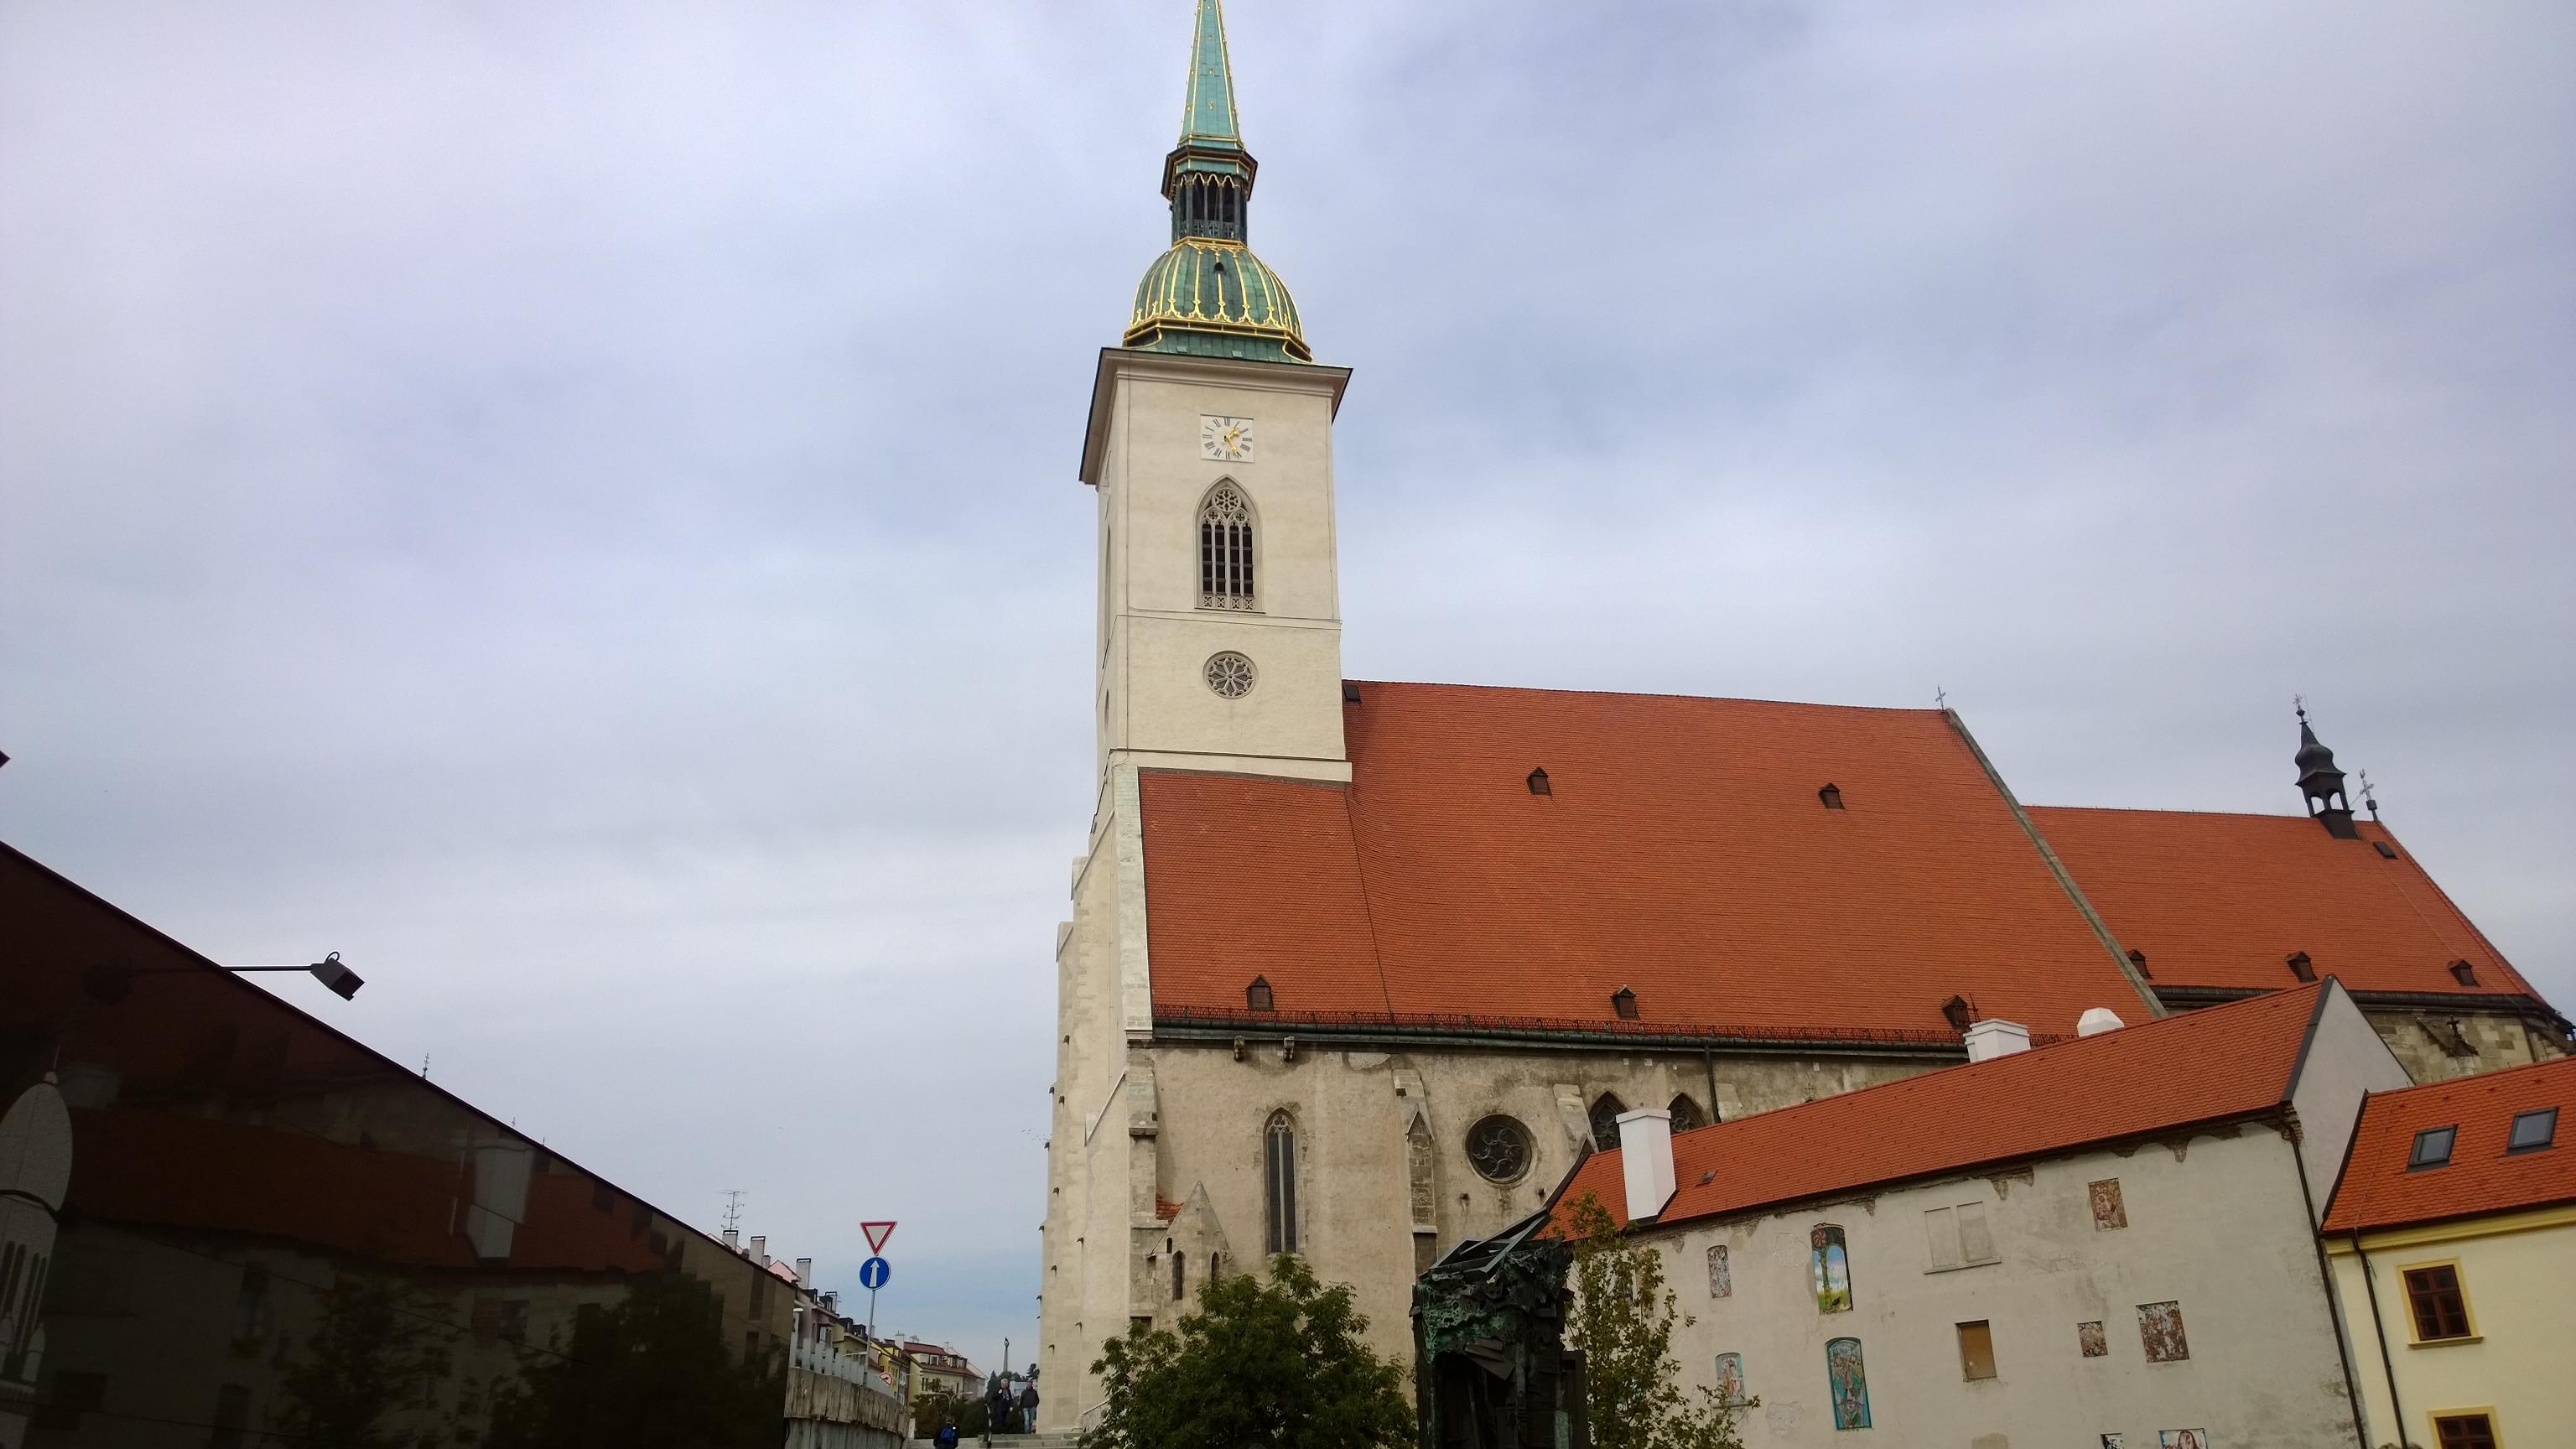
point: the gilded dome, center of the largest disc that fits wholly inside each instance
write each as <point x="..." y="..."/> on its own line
<point x="1214" y="298"/>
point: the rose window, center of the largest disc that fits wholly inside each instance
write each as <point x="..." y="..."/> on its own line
<point x="1499" y="1149"/>
<point x="1229" y="674"/>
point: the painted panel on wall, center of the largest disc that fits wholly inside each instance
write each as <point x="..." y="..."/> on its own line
<point x="1720" y="1282"/>
<point x="2160" y="1329"/>
<point x="2182" y="1439"/>
<point x="1849" y="1382"/>
<point x="1730" y="1378"/>
<point x="2091" y="1339"/>
<point x="2108" y="1210"/>
<point x="1832" y="1266"/>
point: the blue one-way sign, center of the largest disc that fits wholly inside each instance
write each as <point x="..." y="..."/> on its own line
<point x="873" y="1274"/>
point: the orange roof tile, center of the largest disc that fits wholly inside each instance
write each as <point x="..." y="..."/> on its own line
<point x="1682" y="852"/>
<point x="2223" y="900"/>
<point x="2377" y="1190"/>
<point x="2221" y="1064"/>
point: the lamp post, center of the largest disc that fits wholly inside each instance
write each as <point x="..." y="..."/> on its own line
<point x="110" y="982"/>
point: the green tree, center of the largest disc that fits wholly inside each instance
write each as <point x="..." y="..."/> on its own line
<point x="1261" y="1365"/>
<point x="943" y="1406"/>
<point x="1624" y="1315"/>
<point x="370" y="1375"/>
<point x="654" y="1372"/>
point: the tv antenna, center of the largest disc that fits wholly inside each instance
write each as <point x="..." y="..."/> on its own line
<point x="733" y="1197"/>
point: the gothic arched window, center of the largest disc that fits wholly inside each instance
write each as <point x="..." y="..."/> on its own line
<point x="1279" y="1182"/>
<point x="1686" y="1113"/>
<point x="1225" y="549"/>
<point x="1605" y="1120"/>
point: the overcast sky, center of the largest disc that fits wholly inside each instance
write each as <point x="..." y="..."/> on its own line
<point x="573" y="506"/>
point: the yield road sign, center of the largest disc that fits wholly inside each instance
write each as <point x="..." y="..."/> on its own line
<point x="873" y="1274"/>
<point x="877" y="1235"/>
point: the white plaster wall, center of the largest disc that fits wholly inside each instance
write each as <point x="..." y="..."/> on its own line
<point x="2346" y="1058"/>
<point x="2215" y="1223"/>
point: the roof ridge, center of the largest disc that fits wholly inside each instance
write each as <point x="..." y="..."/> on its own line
<point x="2178" y="1019"/>
<point x="2169" y="810"/>
<point x="2476" y="1079"/>
<point x="1639" y="694"/>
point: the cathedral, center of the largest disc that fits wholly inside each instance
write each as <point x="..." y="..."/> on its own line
<point x="1361" y="969"/>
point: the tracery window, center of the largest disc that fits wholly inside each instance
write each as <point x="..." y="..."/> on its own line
<point x="1686" y="1114"/>
<point x="1225" y="549"/>
<point x="1499" y="1148"/>
<point x="1605" y="1120"/>
<point x="1279" y="1170"/>
<point x="1830" y="1263"/>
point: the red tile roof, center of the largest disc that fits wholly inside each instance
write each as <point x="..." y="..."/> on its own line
<point x="2225" y="1063"/>
<point x="1682" y="852"/>
<point x="2378" y="1191"/>
<point x="2223" y="900"/>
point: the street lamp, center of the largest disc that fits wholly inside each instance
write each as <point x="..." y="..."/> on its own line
<point x="328" y="971"/>
<point x="109" y="982"/>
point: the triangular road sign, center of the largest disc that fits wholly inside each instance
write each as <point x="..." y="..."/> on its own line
<point x="877" y="1234"/>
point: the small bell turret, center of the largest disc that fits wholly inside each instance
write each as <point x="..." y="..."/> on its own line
<point x="2321" y="783"/>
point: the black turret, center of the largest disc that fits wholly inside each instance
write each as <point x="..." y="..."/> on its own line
<point x="2322" y="784"/>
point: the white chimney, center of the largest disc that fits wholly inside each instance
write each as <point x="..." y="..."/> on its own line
<point x="1646" y="1157"/>
<point x="1990" y="1039"/>
<point x="804" y="1272"/>
<point x="733" y="1239"/>
<point x="760" y="1250"/>
<point x="2097" y="1020"/>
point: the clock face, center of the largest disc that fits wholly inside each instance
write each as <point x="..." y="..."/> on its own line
<point x="1227" y="440"/>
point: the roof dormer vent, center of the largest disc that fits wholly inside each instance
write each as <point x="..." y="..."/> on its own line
<point x="2302" y="967"/>
<point x="1257" y="997"/>
<point x="1832" y="795"/>
<point x="2464" y="973"/>
<point x="1959" y="1013"/>
<point x="2138" y="959"/>
<point x="1624" y="1002"/>
<point x="1538" y="782"/>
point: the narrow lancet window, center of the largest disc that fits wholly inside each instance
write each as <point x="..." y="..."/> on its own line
<point x="1280" y="1182"/>
<point x="1225" y="549"/>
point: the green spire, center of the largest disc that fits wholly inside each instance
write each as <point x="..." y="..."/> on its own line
<point x="1207" y="111"/>
<point x="1209" y="295"/>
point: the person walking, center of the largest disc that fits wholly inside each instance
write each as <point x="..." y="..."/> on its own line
<point x="946" y="1438"/>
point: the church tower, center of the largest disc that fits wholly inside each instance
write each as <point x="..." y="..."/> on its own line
<point x="1210" y="445"/>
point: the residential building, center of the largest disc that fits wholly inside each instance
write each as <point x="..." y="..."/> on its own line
<point x="938" y="1369"/>
<point x="1358" y="970"/>
<point x="256" y="1220"/>
<point x="2107" y="1241"/>
<point x="2453" y="1238"/>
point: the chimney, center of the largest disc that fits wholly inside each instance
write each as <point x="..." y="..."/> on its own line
<point x="733" y="1239"/>
<point x="804" y="1272"/>
<point x="760" y="1250"/>
<point x="1992" y="1038"/>
<point x="1646" y="1157"/>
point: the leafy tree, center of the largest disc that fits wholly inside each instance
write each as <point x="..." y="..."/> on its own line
<point x="935" y="1407"/>
<point x="370" y="1375"/>
<point x="1624" y="1315"/>
<point x="1261" y="1365"/>
<point x="654" y="1372"/>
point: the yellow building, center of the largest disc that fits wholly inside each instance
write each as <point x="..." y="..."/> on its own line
<point x="2453" y="1237"/>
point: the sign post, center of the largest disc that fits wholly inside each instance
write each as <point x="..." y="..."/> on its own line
<point x="876" y="1270"/>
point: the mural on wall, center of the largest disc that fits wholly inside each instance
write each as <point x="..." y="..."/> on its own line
<point x="2160" y="1329"/>
<point x="1719" y="1283"/>
<point x="2090" y="1338"/>
<point x="1730" y="1378"/>
<point x="1849" y="1382"/>
<point x="2182" y="1439"/>
<point x="2108" y="1210"/>
<point x="2115" y="1441"/>
<point x="1832" y="1269"/>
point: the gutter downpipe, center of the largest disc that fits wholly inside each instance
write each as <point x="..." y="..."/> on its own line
<point x="2334" y="1310"/>
<point x="2387" y="1365"/>
<point x="1708" y="1060"/>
